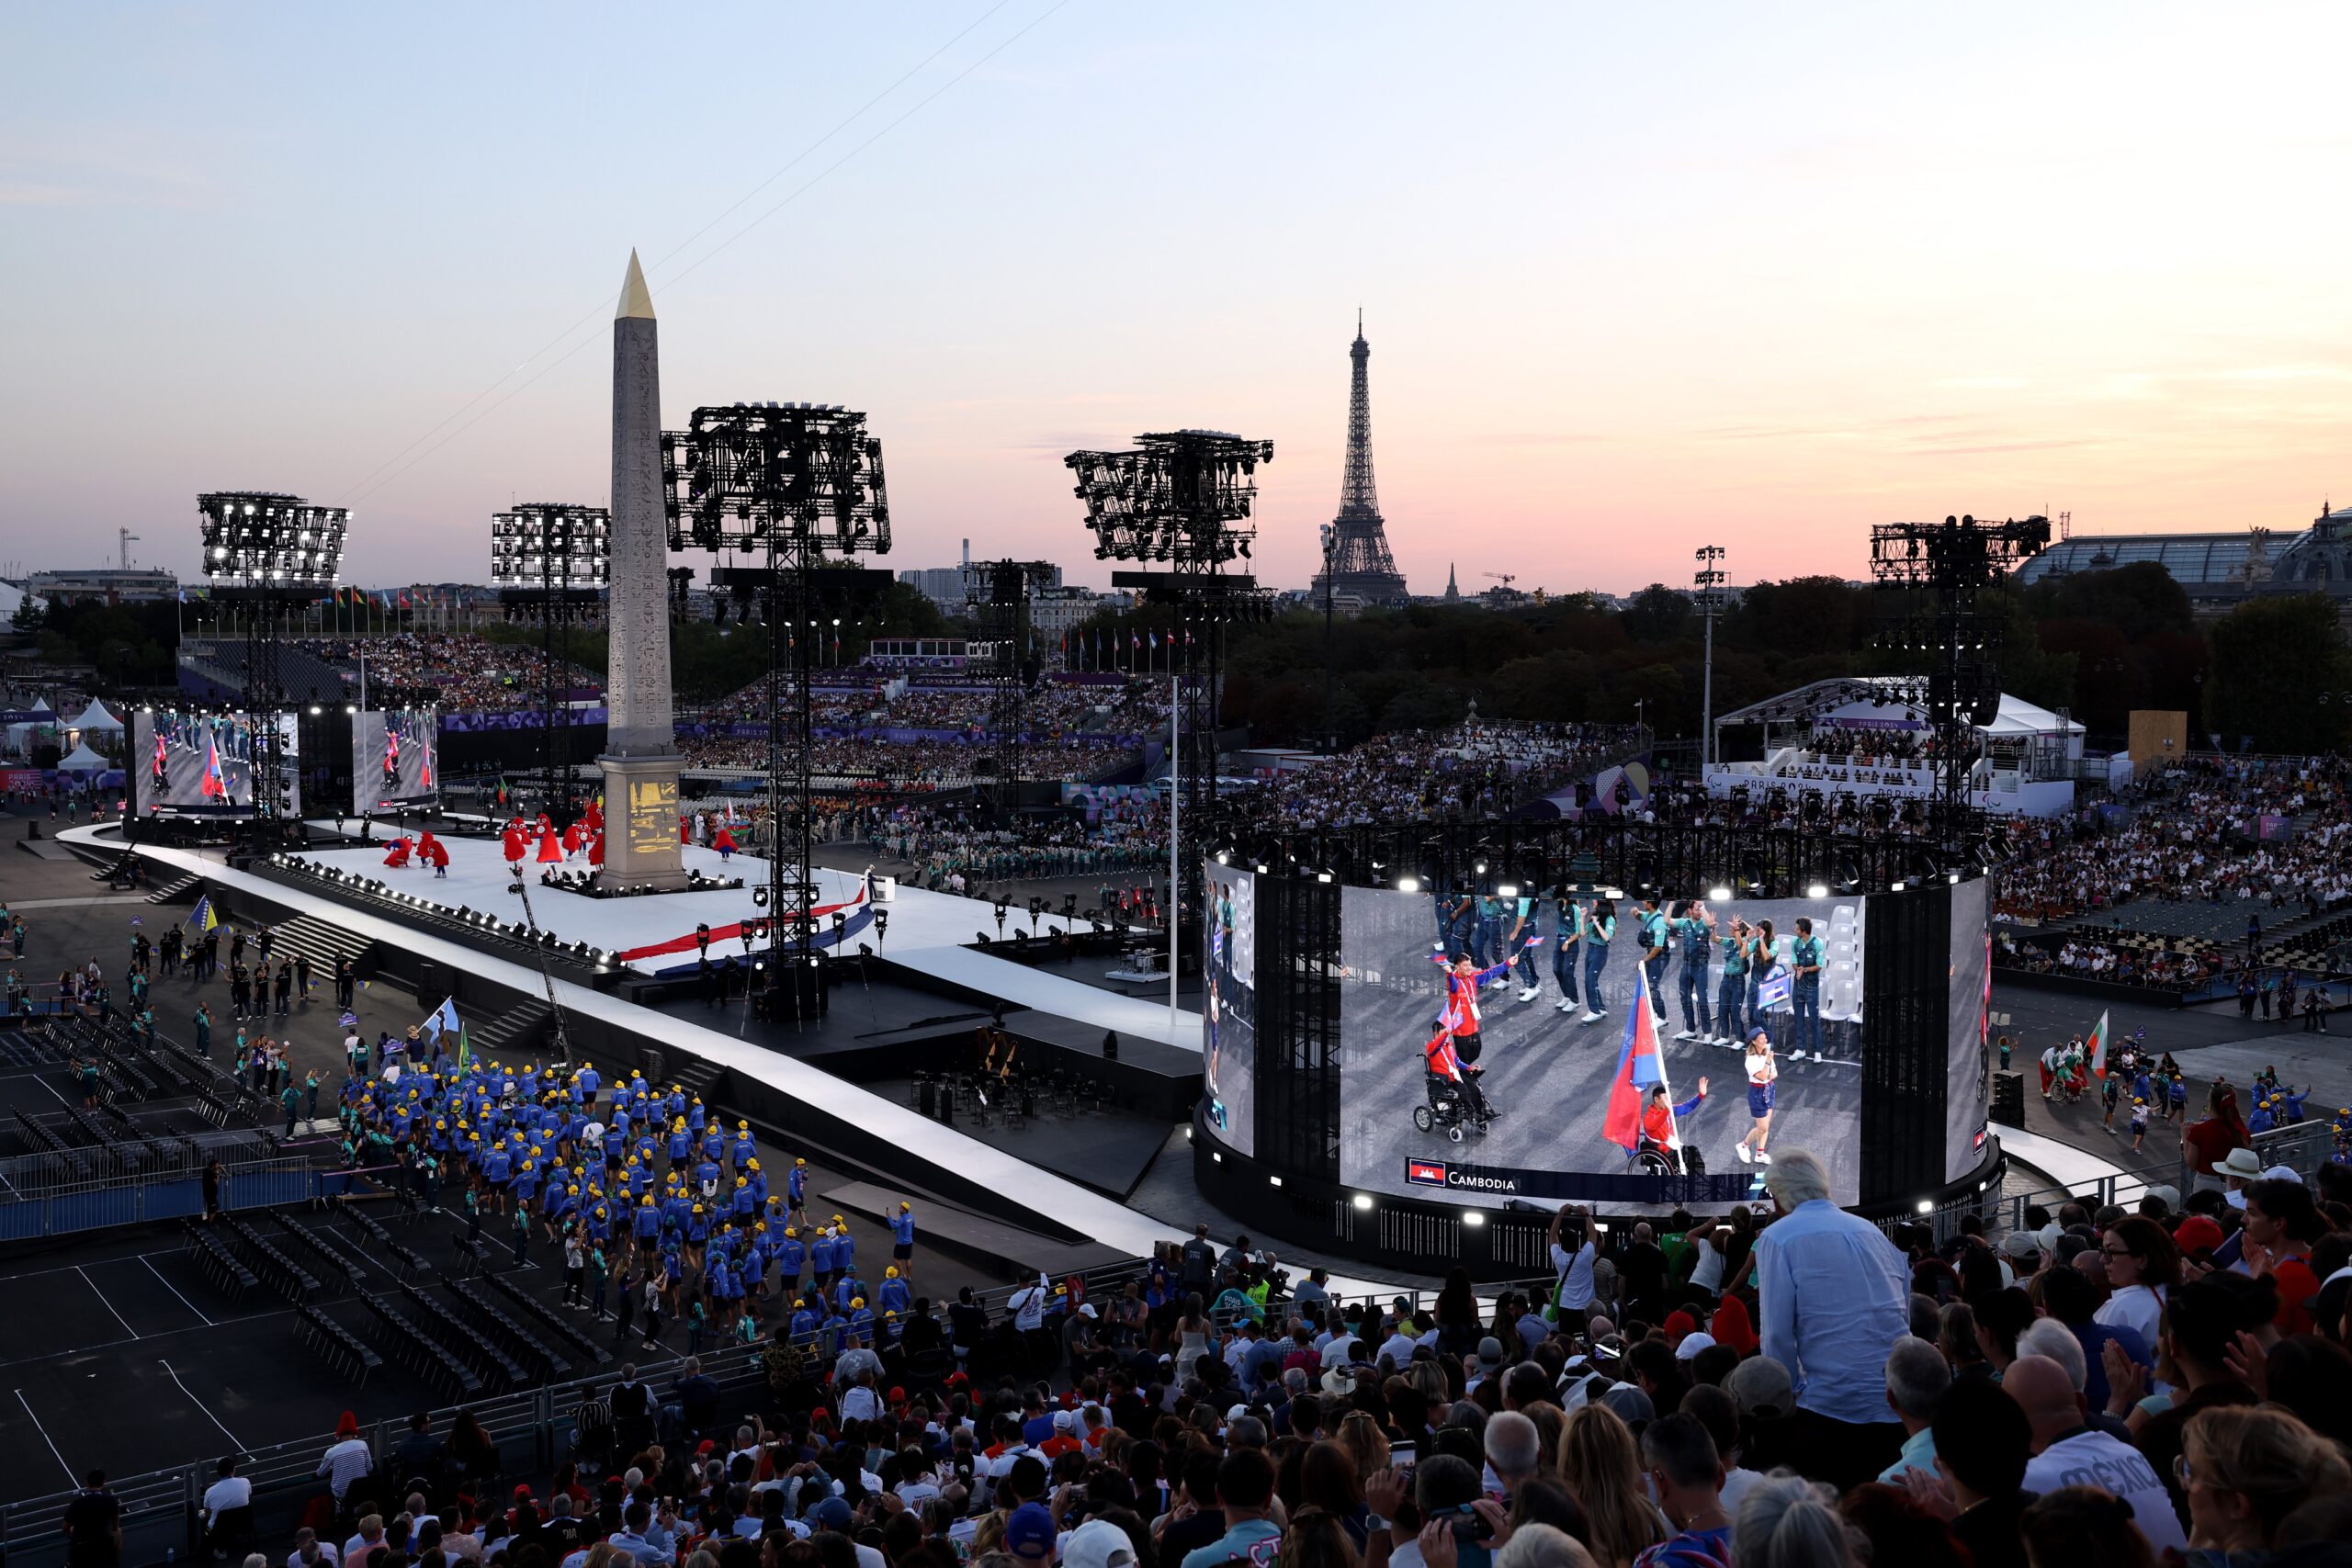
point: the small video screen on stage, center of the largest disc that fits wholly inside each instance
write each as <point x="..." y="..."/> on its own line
<point x="395" y="762"/>
<point x="1229" y="1005"/>
<point x="1968" y="1091"/>
<point x="187" y="763"/>
<point x="1501" y="1048"/>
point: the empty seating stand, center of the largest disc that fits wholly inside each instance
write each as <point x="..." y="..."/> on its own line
<point x="281" y="1273"/>
<point x="524" y="1348"/>
<point x="585" y="1349"/>
<point x="338" y="1271"/>
<point x="407" y="1345"/>
<point x="336" y="1344"/>
<point x="411" y="1267"/>
<point x="217" y="1263"/>
<point x="497" y="1370"/>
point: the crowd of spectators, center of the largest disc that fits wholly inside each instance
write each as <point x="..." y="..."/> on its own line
<point x="1463" y="769"/>
<point x="468" y="673"/>
<point x="2194" y="833"/>
<point x="1792" y="1389"/>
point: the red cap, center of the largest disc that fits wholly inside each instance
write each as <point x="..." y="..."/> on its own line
<point x="2197" y="1233"/>
<point x="705" y="1447"/>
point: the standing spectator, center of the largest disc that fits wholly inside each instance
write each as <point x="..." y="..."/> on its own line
<point x="1836" y="1296"/>
<point x="93" y="1523"/>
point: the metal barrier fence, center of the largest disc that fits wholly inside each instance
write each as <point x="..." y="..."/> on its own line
<point x="2300" y="1146"/>
<point x="103" y="1202"/>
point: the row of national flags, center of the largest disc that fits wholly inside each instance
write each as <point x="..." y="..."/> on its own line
<point x="1119" y="648"/>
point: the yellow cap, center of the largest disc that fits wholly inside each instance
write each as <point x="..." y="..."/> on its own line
<point x="697" y="1208"/>
<point x="906" y="1208"/>
<point x="742" y="1126"/>
<point x="856" y="1302"/>
<point x="800" y="1162"/>
<point x="793" y="1232"/>
<point x="891" y="1273"/>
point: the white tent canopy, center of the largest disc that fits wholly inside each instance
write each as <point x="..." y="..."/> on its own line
<point x="82" y="759"/>
<point x="96" y="716"/>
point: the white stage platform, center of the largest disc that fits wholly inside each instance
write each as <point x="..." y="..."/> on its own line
<point x="927" y="930"/>
<point x="1051" y="1198"/>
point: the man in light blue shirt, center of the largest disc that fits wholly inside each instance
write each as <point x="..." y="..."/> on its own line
<point x="1834" y="1297"/>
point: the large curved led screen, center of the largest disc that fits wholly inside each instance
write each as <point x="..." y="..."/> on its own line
<point x="1229" y="1006"/>
<point x="1491" y="1048"/>
<point x="394" y="762"/>
<point x="1967" y="1092"/>
<point x="184" y="764"/>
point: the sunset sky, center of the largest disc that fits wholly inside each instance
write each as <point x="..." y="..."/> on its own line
<point x="1635" y="279"/>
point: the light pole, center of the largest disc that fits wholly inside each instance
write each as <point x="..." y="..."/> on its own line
<point x="1709" y="581"/>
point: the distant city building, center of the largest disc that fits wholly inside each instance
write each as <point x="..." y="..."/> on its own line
<point x="1055" y="609"/>
<point x="2221" y="571"/>
<point x="949" y="587"/>
<point x="1453" y="594"/>
<point x="943" y="585"/>
<point x="1357" y="564"/>
<point x="108" y="584"/>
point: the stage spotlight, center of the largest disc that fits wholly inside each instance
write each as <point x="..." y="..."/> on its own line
<point x="1473" y="1219"/>
<point x="1720" y="895"/>
<point x="1408" y="885"/>
<point x="1273" y="1182"/>
<point x="1926" y="1206"/>
<point x="1508" y="890"/>
<point x="1816" y="890"/>
<point x="1364" y="1201"/>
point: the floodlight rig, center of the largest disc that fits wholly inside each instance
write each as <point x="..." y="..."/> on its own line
<point x="551" y="563"/>
<point x="1931" y="576"/>
<point x="999" y="593"/>
<point x="794" y="487"/>
<point x="269" y="552"/>
<point x="1183" y="497"/>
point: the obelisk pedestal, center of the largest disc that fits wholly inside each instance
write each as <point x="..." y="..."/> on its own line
<point x="640" y="762"/>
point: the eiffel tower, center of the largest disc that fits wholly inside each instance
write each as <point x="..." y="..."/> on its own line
<point x="1358" y="563"/>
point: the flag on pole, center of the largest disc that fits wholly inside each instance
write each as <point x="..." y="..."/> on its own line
<point x="1639" y="1065"/>
<point x="2099" y="1048"/>
<point x="202" y="916"/>
<point x="214" y="787"/>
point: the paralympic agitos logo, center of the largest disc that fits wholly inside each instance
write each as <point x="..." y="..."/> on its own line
<point x="1437" y="1173"/>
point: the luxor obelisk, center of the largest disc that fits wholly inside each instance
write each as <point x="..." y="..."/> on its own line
<point x="640" y="762"/>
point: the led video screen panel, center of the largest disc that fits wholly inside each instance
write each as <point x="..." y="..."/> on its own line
<point x="1569" y="1086"/>
<point x="186" y="764"/>
<point x="1229" y="1006"/>
<point x="1967" y="1095"/>
<point x="395" y="761"/>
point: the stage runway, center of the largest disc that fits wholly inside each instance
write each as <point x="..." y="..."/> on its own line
<point x="927" y="930"/>
<point x="1052" y="1198"/>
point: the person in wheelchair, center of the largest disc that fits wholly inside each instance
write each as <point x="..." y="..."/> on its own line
<point x="1659" y="1147"/>
<point x="1453" y="1095"/>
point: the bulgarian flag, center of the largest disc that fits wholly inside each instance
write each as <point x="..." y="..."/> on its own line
<point x="1639" y="1065"/>
<point x="2099" y="1048"/>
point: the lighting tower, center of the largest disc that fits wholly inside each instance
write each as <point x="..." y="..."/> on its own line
<point x="1708" y="581"/>
<point x="1934" y="574"/>
<point x="1182" y="497"/>
<point x="268" y="552"/>
<point x="795" y="488"/>
<point x="551" y="562"/>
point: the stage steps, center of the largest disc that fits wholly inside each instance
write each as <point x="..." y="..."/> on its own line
<point x="512" y="1036"/>
<point x="326" y="943"/>
<point x="175" y="891"/>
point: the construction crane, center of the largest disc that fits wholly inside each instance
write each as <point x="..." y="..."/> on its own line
<point x="127" y="535"/>
<point x="1505" y="577"/>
